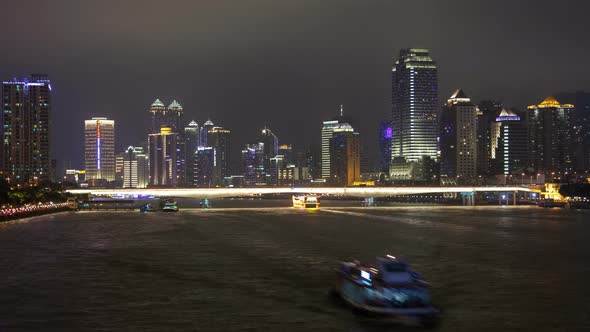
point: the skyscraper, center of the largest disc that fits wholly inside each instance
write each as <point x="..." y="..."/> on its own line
<point x="486" y="117"/>
<point x="509" y="144"/>
<point x="345" y="156"/>
<point x="204" y="166"/>
<point x="385" y="136"/>
<point x="253" y="164"/>
<point x="99" y="149"/>
<point x="271" y="147"/>
<point x="327" y="131"/>
<point x="162" y="154"/>
<point x="191" y="143"/>
<point x="24" y="129"/>
<point x="458" y="139"/>
<point x="163" y="116"/>
<point x="135" y="168"/>
<point x="219" y="139"/>
<point x="204" y="132"/>
<point x="414" y="108"/>
<point x="550" y="136"/>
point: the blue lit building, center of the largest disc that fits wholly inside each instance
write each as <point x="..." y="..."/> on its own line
<point x="385" y="141"/>
<point x="203" y="167"/>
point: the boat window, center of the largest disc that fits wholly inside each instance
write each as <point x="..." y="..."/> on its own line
<point x="394" y="267"/>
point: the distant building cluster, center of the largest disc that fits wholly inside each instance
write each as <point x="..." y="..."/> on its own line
<point x="458" y="142"/>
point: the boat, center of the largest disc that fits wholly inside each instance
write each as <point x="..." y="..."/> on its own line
<point x="551" y="203"/>
<point x="170" y="206"/>
<point x="148" y="207"/>
<point x="306" y="201"/>
<point x="389" y="288"/>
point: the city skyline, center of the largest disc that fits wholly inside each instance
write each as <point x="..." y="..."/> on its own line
<point x="254" y="66"/>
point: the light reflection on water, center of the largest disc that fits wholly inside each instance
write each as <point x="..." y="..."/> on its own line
<point x="492" y="269"/>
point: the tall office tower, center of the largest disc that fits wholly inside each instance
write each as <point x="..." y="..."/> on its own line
<point x="414" y="109"/>
<point x="163" y="116"/>
<point x="458" y="139"/>
<point x="24" y="129"/>
<point x="550" y="136"/>
<point x="271" y="146"/>
<point x="204" y="132"/>
<point x="204" y="166"/>
<point x="191" y="143"/>
<point x="119" y="161"/>
<point x="99" y="149"/>
<point x="345" y="156"/>
<point x="162" y="154"/>
<point x="580" y="129"/>
<point x="327" y="131"/>
<point x="135" y="168"/>
<point x="509" y="144"/>
<point x="219" y="139"/>
<point x="486" y="117"/>
<point x="253" y="164"/>
<point x="385" y="135"/>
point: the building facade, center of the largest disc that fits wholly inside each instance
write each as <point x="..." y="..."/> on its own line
<point x="163" y="158"/>
<point x="509" y="144"/>
<point x="205" y="163"/>
<point x="328" y="128"/>
<point x="99" y="149"/>
<point x="414" y="109"/>
<point x="24" y="130"/>
<point x="345" y="157"/>
<point x="219" y="139"/>
<point x="550" y="136"/>
<point x="458" y="140"/>
<point x="191" y="143"/>
<point x="135" y="168"/>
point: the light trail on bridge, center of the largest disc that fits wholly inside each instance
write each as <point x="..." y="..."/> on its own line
<point x="342" y="191"/>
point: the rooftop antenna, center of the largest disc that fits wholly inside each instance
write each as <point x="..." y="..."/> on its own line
<point x="341" y="111"/>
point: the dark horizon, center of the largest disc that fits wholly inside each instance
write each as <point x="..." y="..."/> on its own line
<point x="287" y="66"/>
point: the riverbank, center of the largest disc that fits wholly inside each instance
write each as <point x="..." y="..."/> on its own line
<point x="31" y="211"/>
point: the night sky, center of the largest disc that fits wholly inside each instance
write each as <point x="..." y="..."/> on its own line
<point x="284" y="64"/>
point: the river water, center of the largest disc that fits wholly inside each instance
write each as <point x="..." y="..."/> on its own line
<point x="270" y="269"/>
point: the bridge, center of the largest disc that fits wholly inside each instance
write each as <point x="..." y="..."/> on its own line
<point x="201" y="193"/>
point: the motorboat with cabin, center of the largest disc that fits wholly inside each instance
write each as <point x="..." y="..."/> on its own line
<point x="387" y="288"/>
<point x="306" y="201"/>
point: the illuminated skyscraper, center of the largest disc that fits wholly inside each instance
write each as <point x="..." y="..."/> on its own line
<point x="327" y="133"/>
<point x="163" y="158"/>
<point x="204" y="166"/>
<point x="191" y="143"/>
<point x="509" y="144"/>
<point x="458" y="139"/>
<point x="24" y="129"/>
<point x="99" y="149"/>
<point x="163" y="116"/>
<point x="550" y="136"/>
<point x="253" y="164"/>
<point x="414" y="108"/>
<point x="345" y="156"/>
<point x="385" y="135"/>
<point x="204" y="132"/>
<point x="135" y="168"/>
<point x="488" y="110"/>
<point x="219" y="139"/>
<point x="271" y="147"/>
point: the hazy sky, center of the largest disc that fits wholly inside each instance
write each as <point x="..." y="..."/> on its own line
<point x="284" y="64"/>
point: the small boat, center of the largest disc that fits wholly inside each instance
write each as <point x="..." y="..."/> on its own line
<point x="147" y="208"/>
<point x="306" y="201"/>
<point x="170" y="206"/>
<point x="388" y="288"/>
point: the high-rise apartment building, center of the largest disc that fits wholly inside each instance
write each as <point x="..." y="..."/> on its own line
<point x="488" y="110"/>
<point x="253" y="164"/>
<point x="163" y="116"/>
<point x="99" y="149"/>
<point x="271" y="147"/>
<point x="414" y="109"/>
<point x="550" y="135"/>
<point x="458" y="139"/>
<point x="204" y="132"/>
<point x="24" y="129"/>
